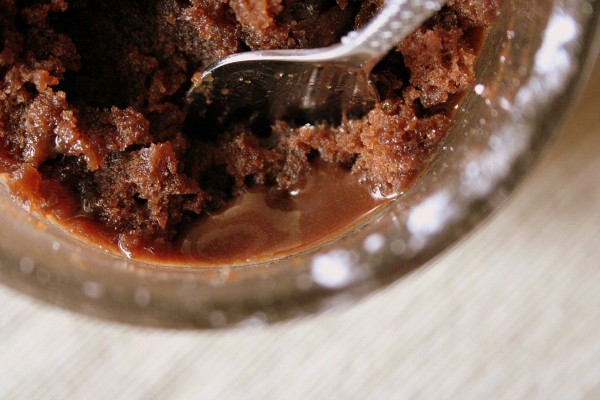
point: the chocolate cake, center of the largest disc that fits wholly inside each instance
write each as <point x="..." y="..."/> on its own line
<point x="94" y="125"/>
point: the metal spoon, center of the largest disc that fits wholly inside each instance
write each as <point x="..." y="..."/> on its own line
<point x="309" y="85"/>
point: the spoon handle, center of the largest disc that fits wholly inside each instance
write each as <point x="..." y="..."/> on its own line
<point x="396" y="20"/>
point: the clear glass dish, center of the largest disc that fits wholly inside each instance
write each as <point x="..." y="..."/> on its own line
<point x="531" y="67"/>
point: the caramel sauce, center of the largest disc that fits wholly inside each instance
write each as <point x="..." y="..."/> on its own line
<point x="261" y="225"/>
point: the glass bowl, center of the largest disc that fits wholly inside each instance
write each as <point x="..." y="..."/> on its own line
<point x="532" y="63"/>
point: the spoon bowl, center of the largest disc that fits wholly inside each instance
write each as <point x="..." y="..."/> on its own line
<point x="312" y="85"/>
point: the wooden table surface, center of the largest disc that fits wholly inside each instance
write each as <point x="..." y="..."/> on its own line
<point x="512" y="312"/>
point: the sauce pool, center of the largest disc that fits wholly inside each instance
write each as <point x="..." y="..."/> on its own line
<point x="261" y="225"/>
<point x="258" y="226"/>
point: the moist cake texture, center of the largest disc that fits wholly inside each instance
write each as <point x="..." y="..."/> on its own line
<point x="94" y="124"/>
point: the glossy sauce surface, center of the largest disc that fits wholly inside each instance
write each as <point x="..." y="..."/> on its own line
<point x="262" y="225"/>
